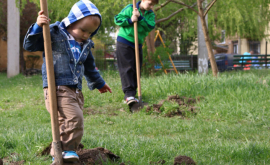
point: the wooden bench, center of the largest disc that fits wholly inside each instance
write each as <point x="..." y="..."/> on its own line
<point x="181" y="63"/>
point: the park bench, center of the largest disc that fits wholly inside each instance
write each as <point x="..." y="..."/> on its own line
<point x="181" y="63"/>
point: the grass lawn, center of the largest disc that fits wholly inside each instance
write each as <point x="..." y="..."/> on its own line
<point x="232" y="124"/>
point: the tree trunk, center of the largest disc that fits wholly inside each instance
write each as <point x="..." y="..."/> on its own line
<point x="150" y="49"/>
<point x="207" y="39"/>
<point x="13" y="39"/>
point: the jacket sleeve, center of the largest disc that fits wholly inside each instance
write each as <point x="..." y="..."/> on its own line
<point x="124" y="17"/>
<point x="148" y="22"/>
<point x="92" y="76"/>
<point x="33" y="42"/>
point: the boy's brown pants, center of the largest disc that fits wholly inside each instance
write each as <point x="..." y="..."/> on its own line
<point x="70" y="116"/>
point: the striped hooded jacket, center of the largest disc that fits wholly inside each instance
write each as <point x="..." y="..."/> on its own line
<point x="68" y="71"/>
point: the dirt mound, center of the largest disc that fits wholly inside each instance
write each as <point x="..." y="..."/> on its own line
<point x="174" y="106"/>
<point x="93" y="156"/>
<point x="183" y="160"/>
<point x="96" y="156"/>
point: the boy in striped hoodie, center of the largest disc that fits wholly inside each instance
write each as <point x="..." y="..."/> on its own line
<point x="125" y="49"/>
<point x="72" y="59"/>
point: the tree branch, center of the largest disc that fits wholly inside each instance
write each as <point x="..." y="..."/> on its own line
<point x="190" y="7"/>
<point x="209" y="7"/>
<point x="162" y="5"/>
<point x="179" y="10"/>
<point x="165" y="19"/>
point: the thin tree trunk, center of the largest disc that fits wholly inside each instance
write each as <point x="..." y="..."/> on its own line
<point x="151" y="49"/>
<point x="207" y="39"/>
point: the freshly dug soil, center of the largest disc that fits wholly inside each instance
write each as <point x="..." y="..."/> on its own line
<point x="93" y="156"/>
<point x="183" y="160"/>
<point x="185" y="104"/>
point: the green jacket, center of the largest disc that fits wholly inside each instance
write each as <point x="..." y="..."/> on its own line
<point x="146" y="23"/>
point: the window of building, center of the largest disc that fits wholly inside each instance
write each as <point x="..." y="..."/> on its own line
<point x="255" y="46"/>
<point x="235" y="47"/>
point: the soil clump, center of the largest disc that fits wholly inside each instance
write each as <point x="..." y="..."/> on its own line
<point x="93" y="156"/>
<point x="183" y="160"/>
<point x="175" y="105"/>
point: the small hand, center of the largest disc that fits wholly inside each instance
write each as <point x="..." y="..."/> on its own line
<point x="42" y="19"/>
<point x="105" y="89"/>
<point x="134" y="18"/>
<point x="135" y="15"/>
<point x="136" y="12"/>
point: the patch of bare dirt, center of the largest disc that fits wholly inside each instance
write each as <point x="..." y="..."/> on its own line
<point x="9" y="161"/>
<point x="93" y="156"/>
<point x="183" y="160"/>
<point x="90" y="111"/>
<point x="184" y="105"/>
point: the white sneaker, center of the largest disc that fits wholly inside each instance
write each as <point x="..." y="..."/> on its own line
<point x="131" y="100"/>
<point x="70" y="156"/>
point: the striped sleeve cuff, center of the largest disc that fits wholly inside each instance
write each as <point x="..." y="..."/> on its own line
<point x="129" y="21"/>
<point x="99" y="87"/>
<point x="140" y="18"/>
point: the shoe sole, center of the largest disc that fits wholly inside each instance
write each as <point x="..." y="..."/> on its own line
<point x="70" y="159"/>
<point x="131" y="102"/>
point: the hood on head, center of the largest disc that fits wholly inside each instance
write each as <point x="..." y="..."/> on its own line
<point x="80" y="10"/>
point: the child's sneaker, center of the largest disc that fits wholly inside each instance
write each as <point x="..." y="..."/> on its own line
<point x="131" y="100"/>
<point x="70" y="156"/>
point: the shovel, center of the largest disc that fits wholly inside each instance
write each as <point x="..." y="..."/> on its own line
<point x="137" y="106"/>
<point x="56" y="144"/>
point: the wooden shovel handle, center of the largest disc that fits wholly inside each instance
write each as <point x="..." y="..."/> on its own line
<point x="137" y="54"/>
<point x="51" y="87"/>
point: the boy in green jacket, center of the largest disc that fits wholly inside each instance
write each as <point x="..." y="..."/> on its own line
<point x="125" y="49"/>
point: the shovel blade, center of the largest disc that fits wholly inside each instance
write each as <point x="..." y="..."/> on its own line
<point x="137" y="106"/>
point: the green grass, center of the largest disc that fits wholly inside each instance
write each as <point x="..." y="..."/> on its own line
<point x="231" y="127"/>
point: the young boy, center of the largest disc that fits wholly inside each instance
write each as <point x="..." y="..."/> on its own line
<point x="72" y="59"/>
<point x="125" y="51"/>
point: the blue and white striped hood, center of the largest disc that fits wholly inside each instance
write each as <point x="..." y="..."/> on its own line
<point x="80" y="10"/>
